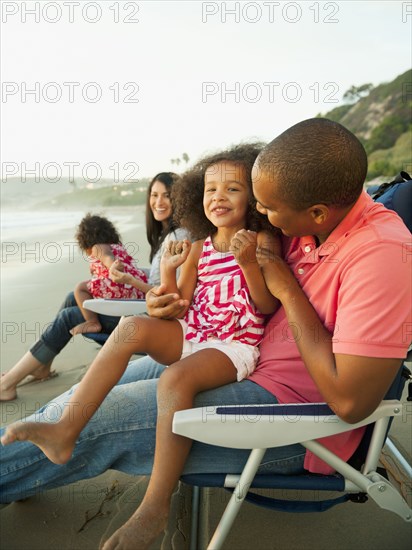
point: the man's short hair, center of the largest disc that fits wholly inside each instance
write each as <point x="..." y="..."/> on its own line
<point x="316" y="161"/>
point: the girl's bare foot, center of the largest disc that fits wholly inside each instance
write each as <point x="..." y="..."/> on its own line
<point x="87" y="326"/>
<point x="140" y="531"/>
<point x="48" y="437"/>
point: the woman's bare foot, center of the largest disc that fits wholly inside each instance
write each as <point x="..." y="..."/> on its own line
<point x="140" y="531"/>
<point x="7" y="392"/>
<point x="43" y="372"/>
<point x="87" y="326"/>
<point x="50" y="438"/>
<point x="9" y="383"/>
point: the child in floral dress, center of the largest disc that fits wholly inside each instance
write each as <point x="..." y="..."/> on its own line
<point x="99" y="239"/>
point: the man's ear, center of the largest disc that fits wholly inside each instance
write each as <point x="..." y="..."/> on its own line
<point x="319" y="213"/>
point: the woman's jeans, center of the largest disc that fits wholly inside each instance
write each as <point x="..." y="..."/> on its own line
<point x="121" y="436"/>
<point x="57" y="334"/>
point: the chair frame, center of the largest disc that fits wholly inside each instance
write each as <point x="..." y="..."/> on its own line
<point x="115" y="308"/>
<point x="230" y="427"/>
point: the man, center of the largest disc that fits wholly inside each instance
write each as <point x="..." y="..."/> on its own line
<point x="339" y="336"/>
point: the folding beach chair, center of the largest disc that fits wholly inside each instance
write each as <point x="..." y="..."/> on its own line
<point x="114" y="308"/>
<point x="357" y="480"/>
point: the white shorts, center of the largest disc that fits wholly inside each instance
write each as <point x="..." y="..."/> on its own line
<point x="243" y="356"/>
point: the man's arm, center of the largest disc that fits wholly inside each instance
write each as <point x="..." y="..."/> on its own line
<point x="352" y="385"/>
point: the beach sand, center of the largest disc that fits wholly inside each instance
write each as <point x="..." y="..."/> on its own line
<point x="39" y="267"/>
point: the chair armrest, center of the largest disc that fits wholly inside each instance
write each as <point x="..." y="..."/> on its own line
<point x="264" y="426"/>
<point x="117" y="308"/>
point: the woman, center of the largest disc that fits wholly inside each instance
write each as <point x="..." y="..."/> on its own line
<point x="38" y="360"/>
<point x="160" y="227"/>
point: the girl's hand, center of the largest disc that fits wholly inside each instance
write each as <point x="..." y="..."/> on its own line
<point x="116" y="273"/>
<point x="243" y="246"/>
<point x="175" y="253"/>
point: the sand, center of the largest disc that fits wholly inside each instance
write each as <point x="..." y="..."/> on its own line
<point x="39" y="267"/>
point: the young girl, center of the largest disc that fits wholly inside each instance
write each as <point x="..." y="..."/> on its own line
<point x="99" y="239"/>
<point x="213" y="345"/>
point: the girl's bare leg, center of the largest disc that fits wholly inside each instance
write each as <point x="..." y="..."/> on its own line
<point x="177" y="388"/>
<point x="92" y="323"/>
<point x="28" y="364"/>
<point x="161" y="339"/>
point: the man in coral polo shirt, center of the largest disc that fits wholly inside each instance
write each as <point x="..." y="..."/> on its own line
<point x="345" y="288"/>
<point x="343" y="326"/>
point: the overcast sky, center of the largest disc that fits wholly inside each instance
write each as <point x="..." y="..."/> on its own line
<point x="120" y="88"/>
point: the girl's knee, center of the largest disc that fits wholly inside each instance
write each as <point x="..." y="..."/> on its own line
<point x="169" y="378"/>
<point x="133" y="330"/>
<point x="174" y="379"/>
<point x="128" y="329"/>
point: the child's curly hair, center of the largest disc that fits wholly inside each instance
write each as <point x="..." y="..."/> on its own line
<point x="187" y="194"/>
<point x="96" y="230"/>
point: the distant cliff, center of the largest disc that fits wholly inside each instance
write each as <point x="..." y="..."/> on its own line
<point x="382" y="120"/>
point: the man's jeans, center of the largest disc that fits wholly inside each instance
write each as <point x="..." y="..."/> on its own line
<point x="57" y="334"/>
<point x="121" y="436"/>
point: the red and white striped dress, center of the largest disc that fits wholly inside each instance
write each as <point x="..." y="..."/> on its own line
<point x="222" y="307"/>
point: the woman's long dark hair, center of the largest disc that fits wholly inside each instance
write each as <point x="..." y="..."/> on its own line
<point x="155" y="230"/>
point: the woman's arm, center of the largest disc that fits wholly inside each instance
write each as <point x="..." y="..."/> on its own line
<point x="117" y="275"/>
<point x="244" y="246"/>
<point x="103" y="252"/>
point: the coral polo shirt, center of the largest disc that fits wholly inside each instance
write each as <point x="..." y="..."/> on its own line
<point x="360" y="283"/>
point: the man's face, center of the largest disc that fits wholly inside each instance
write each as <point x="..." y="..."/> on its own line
<point x="293" y="223"/>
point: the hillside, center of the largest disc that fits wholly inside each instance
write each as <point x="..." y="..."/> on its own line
<point x="42" y="194"/>
<point x="382" y="120"/>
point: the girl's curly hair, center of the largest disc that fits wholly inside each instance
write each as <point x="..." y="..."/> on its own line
<point x="187" y="194"/>
<point x="96" y="230"/>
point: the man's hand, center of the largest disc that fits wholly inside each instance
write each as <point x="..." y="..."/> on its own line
<point x="278" y="276"/>
<point x="243" y="246"/>
<point x="164" y="306"/>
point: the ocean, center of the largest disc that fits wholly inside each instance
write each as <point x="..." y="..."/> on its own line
<point x="44" y="237"/>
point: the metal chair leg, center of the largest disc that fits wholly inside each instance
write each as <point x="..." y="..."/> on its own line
<point x="236" y="501"/>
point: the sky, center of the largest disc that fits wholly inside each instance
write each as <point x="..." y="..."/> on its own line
<point x="117" y="89"/>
